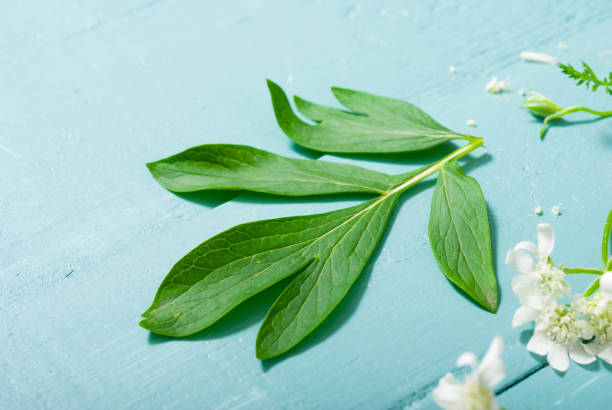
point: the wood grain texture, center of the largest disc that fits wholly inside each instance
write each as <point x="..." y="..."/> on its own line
<point x="92" y="91"/>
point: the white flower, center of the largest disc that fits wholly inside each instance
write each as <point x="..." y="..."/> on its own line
<point x="605" y="283"/>
<point x="538" y="282"/>
<point x="597" y="311"/>
<point x="475" y="392"/>
<point x="558" y="332"/>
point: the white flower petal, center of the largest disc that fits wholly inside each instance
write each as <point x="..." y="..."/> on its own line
<point x="557" y="357"/>
<point x="606" y="354"/>
<point x="523" y="315"/>
<point x="529" y="247"/>
<point x="605" y="283"/>
<point x="492" y="369"/>
<point x="594" y="348"/>
<point x="525" y="288"/>
<point x="546" y="241"/>
<point x="579" y="355"/>
<point x="520" y="261"/>
<point x="467" y="359"/>
<point x="539" y="344"/>
<point x="448" y="394"/>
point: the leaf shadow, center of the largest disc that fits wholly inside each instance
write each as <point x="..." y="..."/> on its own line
<point x="208" y="198"/>
<point x="348" y="305"/>
<point x="307" y="152"/>
<point x="258" y="198"/>
<point x="606" y="139"/>
<point x="494" y="249"/>
<point x="422" y="157"/>
<point x="245" y="315"/>
<point x="471" y="162"/>
<point x="562" y="122"/>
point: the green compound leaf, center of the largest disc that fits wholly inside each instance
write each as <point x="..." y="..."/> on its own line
<point x="460" y="237"/>
<point x="375" y="124"/>
<point x="329" y="249"/>
<point x="240" y="167"/>
<point x="323" y="253"/>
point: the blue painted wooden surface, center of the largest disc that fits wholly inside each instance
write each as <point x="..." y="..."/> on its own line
<point x="93" y="90"/>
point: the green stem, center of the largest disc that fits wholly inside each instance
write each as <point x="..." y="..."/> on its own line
<point x="605" y="244"/>
<point x="592" y="288"/>
<point x="570" y="110"/>
<point x="436" y="166"/>
<point x="583" y="270"/>
<point x="600" y="113"/>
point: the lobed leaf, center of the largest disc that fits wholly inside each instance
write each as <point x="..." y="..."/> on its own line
<point x="460" y="237"/>
<point x="374" y="124"/>
<point x="315" y="292"/>
<point x="329" y="249"/>
<point x="240" y="167"/>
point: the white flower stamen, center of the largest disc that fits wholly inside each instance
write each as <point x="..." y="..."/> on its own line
<point x="561" y="324"/>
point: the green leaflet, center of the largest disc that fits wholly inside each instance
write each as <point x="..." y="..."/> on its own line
<point x="240" y="167"/>
<point x="459" y="235"/>
<point x="316" y="291"/>
<point x="605" y="242"/>
<point x="229" y="268"/>
<point x="377" y="124"/>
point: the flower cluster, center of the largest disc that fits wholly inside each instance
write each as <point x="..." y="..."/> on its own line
<point x="580" y="330"/>
<point x="475" y="392"/>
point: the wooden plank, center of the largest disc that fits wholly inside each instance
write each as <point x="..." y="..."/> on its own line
<point x="87" y="235"/>
<point x="583" y="387"/>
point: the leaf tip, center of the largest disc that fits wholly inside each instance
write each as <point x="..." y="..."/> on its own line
<point x="144" y="323"/>
<point x="151" y="167"/>
<point x="261" y="352"/>
<point x="492" y="307"/>
<point x="272" y="86"/>
<point x="489" y="300"/>
<point x="339" y="91"/>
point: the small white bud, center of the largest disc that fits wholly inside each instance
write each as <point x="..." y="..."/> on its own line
<point x="556" y="210"/>
<point x="540" y="105"/>
<point x="470" y="123"/>
<point x="452" y="69"/>
<point x="538" y="210"/>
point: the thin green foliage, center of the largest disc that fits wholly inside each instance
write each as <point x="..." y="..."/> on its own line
<point x="587" y="77"/>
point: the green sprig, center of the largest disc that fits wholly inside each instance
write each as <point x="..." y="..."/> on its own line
<point x="587" y="77"/>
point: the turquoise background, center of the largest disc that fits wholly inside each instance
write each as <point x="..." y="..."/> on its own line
<point x="91" y="90"/>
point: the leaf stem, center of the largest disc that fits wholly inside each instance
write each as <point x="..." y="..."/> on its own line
<point x="583" y="270"/>
<point x="605" y="243"/>
<point x="569" y="110"/>
<point x="475" y="142"/>
<point x="592" y="288"/>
